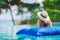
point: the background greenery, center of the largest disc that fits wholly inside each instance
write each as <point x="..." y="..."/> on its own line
<point x="51" y="6"/>
<point x="53" y="9"/>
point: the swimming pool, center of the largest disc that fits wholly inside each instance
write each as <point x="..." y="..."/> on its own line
<point x="26" y="37"/>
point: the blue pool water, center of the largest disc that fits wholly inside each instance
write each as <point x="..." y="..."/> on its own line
<point x="27" y="37"/>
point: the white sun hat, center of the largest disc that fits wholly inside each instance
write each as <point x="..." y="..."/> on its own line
<point x="43" y="16"/>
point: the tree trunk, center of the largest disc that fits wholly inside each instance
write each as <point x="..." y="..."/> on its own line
<point x="12" y="16"/>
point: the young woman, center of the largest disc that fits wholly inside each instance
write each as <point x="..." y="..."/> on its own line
<point x="43" y="19"/>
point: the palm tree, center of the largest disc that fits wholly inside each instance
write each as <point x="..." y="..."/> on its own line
<point x="5" y="5"/>
<point x="30" y="7"/>
<point x="11" y="15"/>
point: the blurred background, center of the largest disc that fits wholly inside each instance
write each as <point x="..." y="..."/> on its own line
<point x="24" y="11"/>
<point x="16" y="14"/>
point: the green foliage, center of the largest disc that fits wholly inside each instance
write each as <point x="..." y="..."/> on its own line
<point x="33" y="21"/>
<point x="53" y="9"/>
<point x="54" y="14"/>
<point x="54" y="4"/>
<point x="31" y="7"/>
<point x="2" y="3"/>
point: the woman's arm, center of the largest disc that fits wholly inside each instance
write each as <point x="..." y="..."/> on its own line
<point x="49" y="23"/>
